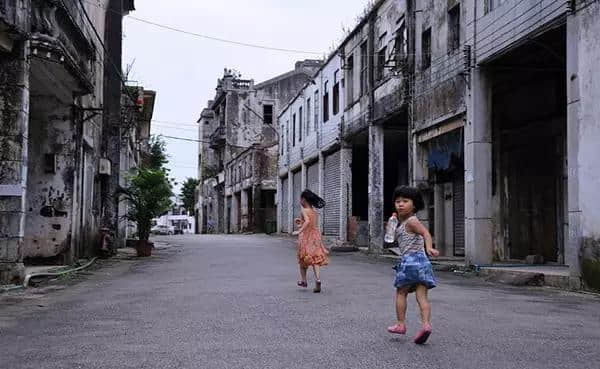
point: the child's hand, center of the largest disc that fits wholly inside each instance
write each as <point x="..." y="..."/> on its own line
<point x="433" y="252"/>
<point x="295" y="233"/>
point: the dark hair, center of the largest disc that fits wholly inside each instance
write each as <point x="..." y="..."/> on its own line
<point x="313" y="199"/>
<point x="410" y="193"/>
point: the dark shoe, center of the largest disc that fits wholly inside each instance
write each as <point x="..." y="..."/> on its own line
<point x="303" y="284"/>
<point x="317" y="287"/>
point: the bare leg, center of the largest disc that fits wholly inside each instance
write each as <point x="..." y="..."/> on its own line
<point x="421" y="294"/>
<point x="401" y="294"/>
<point x="317" y="271"/>
<point x="303" y="273"/>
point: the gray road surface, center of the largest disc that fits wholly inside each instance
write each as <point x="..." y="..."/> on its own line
<point x="231" y="302"/>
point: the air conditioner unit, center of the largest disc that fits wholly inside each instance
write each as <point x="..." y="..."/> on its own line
<point x="104" y="167"/>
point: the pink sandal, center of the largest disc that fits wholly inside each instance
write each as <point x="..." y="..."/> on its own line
<point x="303" y="284"/>
<point x="397" y="329"/>
<point x="423" y="334"/>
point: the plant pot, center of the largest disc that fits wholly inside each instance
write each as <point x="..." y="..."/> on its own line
<point x="144" y="248"/>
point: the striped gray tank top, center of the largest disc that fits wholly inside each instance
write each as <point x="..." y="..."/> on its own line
<point x="409" y="242"/>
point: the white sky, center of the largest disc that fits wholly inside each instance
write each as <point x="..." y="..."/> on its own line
<point x="183" y="69"/>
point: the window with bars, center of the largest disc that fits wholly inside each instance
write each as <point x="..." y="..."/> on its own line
<point x="364" y="61"/>
<point x="294" y="129"/>
<point x="350" y="79"/>
<point x="316" y="121"/>
<point x="381" y="58"/>
<point x="268" y="114"/>
<point x="426" y="49"/>
<point x="454" y="29"/>
<point x="336" y="93"/>
<point x="325" y="102"/>
<point x="308" y="117"/>
<point x="300" y="125"/>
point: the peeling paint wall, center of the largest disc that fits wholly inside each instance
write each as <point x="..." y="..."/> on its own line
<point x="52" y="167"/>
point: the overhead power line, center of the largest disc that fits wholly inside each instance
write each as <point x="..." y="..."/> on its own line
<point x="207" y="37"/>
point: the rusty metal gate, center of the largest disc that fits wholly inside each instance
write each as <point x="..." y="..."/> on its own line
<point x="458" y="198"/>
<point x="331" y="195"/>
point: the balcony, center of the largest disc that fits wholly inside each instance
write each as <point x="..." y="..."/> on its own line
<point x="217" y="138"/>
<point x="13" y="19"/>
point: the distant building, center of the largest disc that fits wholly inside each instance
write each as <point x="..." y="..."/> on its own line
<point x="238" y="150"/>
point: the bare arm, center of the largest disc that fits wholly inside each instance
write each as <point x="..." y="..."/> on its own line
<point x="415" y="226"/>
<point x="305" y="221"/>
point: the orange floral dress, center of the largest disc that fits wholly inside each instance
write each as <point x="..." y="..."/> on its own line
<point x="311" y="250"/>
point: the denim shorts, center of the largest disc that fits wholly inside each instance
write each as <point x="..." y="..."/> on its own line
<point x="413" y="269"/>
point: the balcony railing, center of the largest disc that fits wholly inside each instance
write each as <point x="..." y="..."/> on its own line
<point x="217" y="138"/>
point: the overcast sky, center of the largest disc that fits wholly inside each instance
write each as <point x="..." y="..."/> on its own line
<point x="183" y="69"/>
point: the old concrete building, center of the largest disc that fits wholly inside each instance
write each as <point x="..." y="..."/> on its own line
<point x="503" y="126"/>
<point x="242" y="119"/>
<point x="309" y="149"/>
<point x="52" y="93"/>
<point x="438" y="112"/>
<point x="373" y="138"/>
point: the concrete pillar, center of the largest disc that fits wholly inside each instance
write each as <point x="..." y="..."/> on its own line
<point x="376" y="218"/>
<point x="244" y="205"/>
<point x="278" y="202"/>
<point x="235" y="206"/>
<point x="321" y="184"/>
<point x="290" y="212"/>
<point x="582" y="248"/>
<point x="345" y="190"/>
<point x="303" y="174"/>
<point x="478" y="171"/>
<point x="14" y="120"/>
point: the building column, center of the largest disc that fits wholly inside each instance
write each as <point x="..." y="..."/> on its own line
<point x="290" y="212"/>
<point x="376" y="218"/>
<point x="321" y="185"/>
<point x="582" y="249"/>
<point x="244" y="213"/>
<point x="478" y="171"/>
<point x="303" y="174"/>
<point x="14" y="122"/>
<point x="278" y="202"/>
<point x="345" y="190"/>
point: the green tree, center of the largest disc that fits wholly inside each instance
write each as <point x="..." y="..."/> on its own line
<point x="149" y="195"/>
<point x="157" y="158"/>
<point x="188" y="191"/>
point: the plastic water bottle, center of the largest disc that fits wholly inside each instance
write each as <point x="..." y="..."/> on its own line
<point x="390" y="232"/>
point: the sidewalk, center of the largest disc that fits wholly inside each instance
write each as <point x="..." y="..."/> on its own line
<point x="556" y="276"/>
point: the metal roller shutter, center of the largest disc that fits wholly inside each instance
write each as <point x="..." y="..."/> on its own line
<point x="459" y="215"/>
<point x="297" y="185"/>
<point x="312" y="177"/>
<point x="284" y="205"/>
<point x="331" y="189"/>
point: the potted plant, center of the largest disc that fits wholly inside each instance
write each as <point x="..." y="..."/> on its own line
<point x="148" y="195"/>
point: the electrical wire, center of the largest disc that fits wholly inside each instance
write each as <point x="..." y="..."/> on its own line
<point x="117" y="69"/>
<point x="207" y="37"/>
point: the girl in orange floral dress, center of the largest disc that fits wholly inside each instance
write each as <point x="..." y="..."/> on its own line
<point x="311" y="251"/>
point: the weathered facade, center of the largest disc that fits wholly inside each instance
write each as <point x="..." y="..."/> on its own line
<point x="497" y="100"/>
<point x="485" y="105"/>
<point x="309" y="149"/>
<point x="52" y="91"/>
<point x="243" y="115"/>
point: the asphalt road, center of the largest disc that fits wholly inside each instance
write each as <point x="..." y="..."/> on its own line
<point x="232" y="302"/>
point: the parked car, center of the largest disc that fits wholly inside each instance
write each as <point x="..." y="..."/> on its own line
<point x="163" y="229"/>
